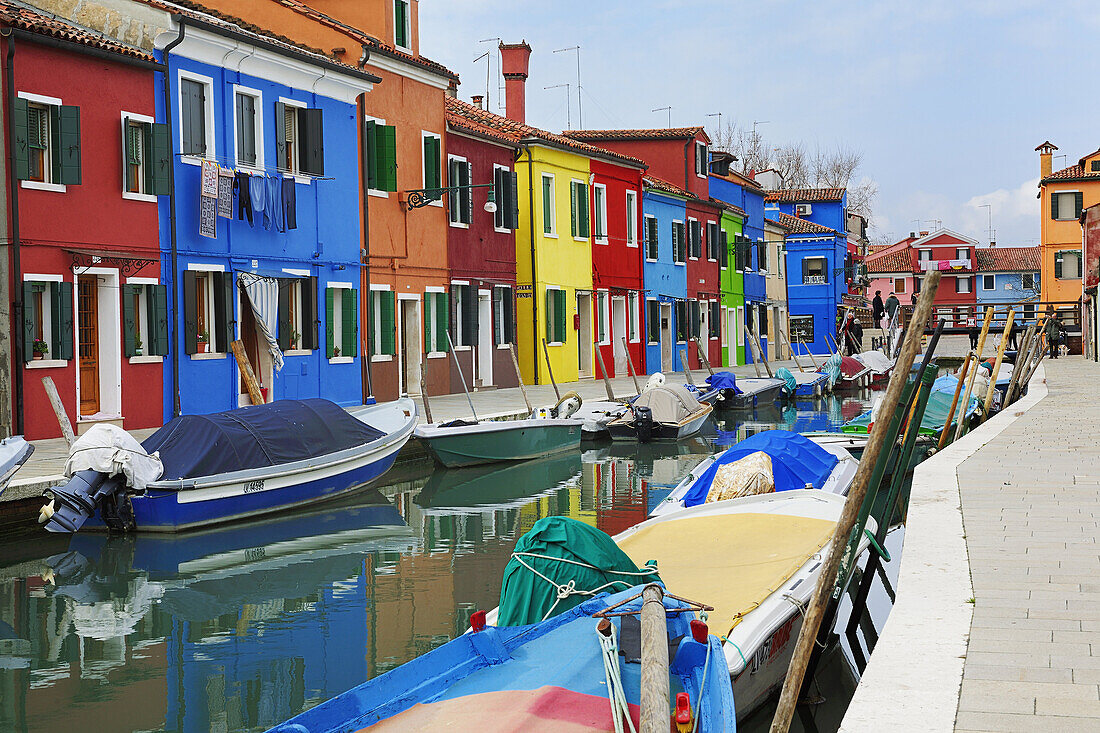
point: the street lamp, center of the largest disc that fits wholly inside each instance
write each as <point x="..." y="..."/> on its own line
<point x="419" y="197"/>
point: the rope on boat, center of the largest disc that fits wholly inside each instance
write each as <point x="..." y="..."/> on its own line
<point x="616" y="695"/>
<point x="702" y="685"/>
<point x="565" y="590"/>
<point x="801" y="606"/>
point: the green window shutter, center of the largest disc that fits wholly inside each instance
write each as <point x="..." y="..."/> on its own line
<point x="723" y="249"/>
<point x="551" y="316"/>
<point x="442" y="321"/>
<point x="132" y="138"/>
<point x="573" y="219"/>
<point x="370" y="135"/>
<point x="387" y="297"/>
<point x="1054" y="205"/>
<point x="1080" y="263"/>
<point x="282" y="314"/>
<point x="159" y="160"/>
<point x="386" y="157"/>
<point x="30" y="317"/>
<point x="349" y="317"/>
<point x="157" y="303"/>
<point x="309" y="313"/>
<point x="400" y="23"/>
<point x="68" y="151"/>
<point x="466" y="194"/>
<point x="513" y="200"/>
<point x="1078" y="204"/>
<point x="63" y="321"/>
<point x="1058" y="265"/>
<point x="432" y="173"/>
<point x="562" y="316"/>
<point x="547" y="213"/>
<point x="311" y="148"/>
<point x="330" y="322"/>
<point x="22" y="134"/>
<point x="280" y="135"/>
<point x="582" y="201"/>
<point x="190" y="313"/>
<point x="129" y="320"/>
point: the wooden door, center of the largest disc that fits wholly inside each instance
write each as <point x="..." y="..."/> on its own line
<point x="88" y="314"/>
<point x="250" y="338"/>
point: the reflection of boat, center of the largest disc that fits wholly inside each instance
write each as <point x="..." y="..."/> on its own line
<point x="462" y="443"/>
<point x="757" y="564"/>
<point x="796" y="462"/>
<point x="546" y="676"/>
<point x="496" y="487"/>
<point x="14" y="452"/>
<point x="661" y="412"/>
<point x="244" y="463"/>
<point x="810" y="384"/>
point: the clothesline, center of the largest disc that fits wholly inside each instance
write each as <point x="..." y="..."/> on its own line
<point x="229" y="164"/>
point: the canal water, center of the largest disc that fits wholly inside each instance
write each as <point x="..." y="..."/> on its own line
<point x="237" y="629"/>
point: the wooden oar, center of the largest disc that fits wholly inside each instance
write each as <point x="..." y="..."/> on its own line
<point x="519" y="378"/>
<point x="826" y="580"/>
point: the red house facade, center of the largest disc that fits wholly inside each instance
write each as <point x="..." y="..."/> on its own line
<point x="90" y="309"/>
<point x="617" y="267"/>
<point x="681" y="155"/>
<point x="953" y="254"/>
<point x="481" y="248"/>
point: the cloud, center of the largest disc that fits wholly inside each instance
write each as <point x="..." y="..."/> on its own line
<point x="1015" y="214"/>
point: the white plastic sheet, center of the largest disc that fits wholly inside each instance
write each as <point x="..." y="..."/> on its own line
<point x="111" y="450"/>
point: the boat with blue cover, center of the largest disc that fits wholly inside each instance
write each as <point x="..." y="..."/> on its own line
<point x="234" y="465"/>
<point x="793" y="460"/>
<point x="557" y="674"/>
<point x="743" y="393"/>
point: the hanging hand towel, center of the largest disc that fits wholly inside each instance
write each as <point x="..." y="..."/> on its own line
<point x="275" y="203"/>
<point x="290" y="203"/>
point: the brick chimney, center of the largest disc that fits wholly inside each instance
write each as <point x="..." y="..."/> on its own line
<point x="1046" y="153"/>
<point x="477" y="100"/>
<point x="514" y="60"/>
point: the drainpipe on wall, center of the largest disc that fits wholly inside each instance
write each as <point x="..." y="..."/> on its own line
<point x="173" y="333"/>
<point x="534" y="289"/>
<point x="17" y="274"/>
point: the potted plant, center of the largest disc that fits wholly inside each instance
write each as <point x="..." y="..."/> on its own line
<point x="40" y="349"/>
<point x="137" y="346"/>
<point x="294" y="338"/>
<point x="203" y="341"/>
<point x="335" y="351"/>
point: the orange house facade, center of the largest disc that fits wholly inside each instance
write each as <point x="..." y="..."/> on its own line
<point x="405" y="247"/>
<point x="1064" y="194"/>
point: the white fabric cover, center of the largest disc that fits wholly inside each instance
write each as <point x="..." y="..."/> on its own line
<point x="748" y="476"/>
<point x="111" y="450"/>
<point x="263" y="294"/>
<point x="670" y="403"/>
<point x="876" y="361"/>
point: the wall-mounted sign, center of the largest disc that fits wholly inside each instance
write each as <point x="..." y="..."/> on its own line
<point x="802" y="329"/>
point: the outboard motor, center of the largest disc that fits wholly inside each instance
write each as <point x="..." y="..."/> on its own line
<point x="643" y="423"/>
<point x="78" y="500"/>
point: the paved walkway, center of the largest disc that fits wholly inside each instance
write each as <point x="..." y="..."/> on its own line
<point x="1031" y="508"/>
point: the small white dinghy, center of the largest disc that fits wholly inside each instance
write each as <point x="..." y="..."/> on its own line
<point x="14" y="452"/>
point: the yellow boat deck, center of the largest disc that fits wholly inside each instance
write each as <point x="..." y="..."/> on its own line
<point x="730" y="561"/>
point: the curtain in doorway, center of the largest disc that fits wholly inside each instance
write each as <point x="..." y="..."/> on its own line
<point x="263" y="295"/>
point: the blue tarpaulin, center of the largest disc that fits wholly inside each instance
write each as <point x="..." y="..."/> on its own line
<point x="724" y="380"/>
<point x="796" y="461"/>
<point x="255" y="437"/>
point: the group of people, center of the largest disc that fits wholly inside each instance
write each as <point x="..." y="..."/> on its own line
<point x="883" y="313"/>
<point x="1053" y="332"/>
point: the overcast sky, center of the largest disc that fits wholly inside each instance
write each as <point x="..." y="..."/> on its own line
<point x="946" y="99"/>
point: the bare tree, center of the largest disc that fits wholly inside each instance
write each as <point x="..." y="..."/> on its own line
<point x="749" y="148"/>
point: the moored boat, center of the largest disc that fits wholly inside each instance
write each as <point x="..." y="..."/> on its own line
<point x="810" y="384"/>
<point x="557" y="674"/>
<point x="496" y="486"/>
<point x="14" y="452"/>
<point x="744" y="393"/>
<point x="462" y="443"/>
<point x="661" y="412"/>
<point x="201" y="470"/>
<point x="793" y="462"/>
<point x="879" y="364"/>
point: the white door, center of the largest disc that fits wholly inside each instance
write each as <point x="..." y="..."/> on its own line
<point x="731" y="334"/>
<point x="484" y="366"/>
<point x="618" y="333"/>
<point x="666" y="337"/>
<point x="584" y="334"/>
<point x="409" y="347"/>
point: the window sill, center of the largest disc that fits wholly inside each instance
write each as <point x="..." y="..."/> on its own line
<point x="378" y="193"/>
<point x="1066" y="278"/>
<point x="647" y="259"/>
<point x="556" y="343"/>
<point x="437" y="355"/>
<point x="459" y="225"/>
<point x="131" y="196"/>
<point x="678" y="264"/>
<point x="343" y="360"/>
<point x="634" y="341"/>
<point x="40" y="186"/>
<point x="581" y="239"/>
<point x="298" y="352"/>
<point x="146" y="359"/>
<point x="550" y="235"/>
<point x="632" y="246"/>
<point x="601" y="241"/>
<point x="191" y="159"/>
<point x="46" y="363"/>
<point x="502" y="230"/>
<point x="207" y="356"/>
<point x="374" y="359"/>
<point x="463" y="348"/>
<point x="504" y="347"/>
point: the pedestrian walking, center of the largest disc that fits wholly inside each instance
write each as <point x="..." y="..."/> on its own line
<point x="878" y="310"/>
<point x="1052" y="329"/>
<point x="1012" y="334"/>
<point x="973" y="332"/>
<point x="891" y="306"/>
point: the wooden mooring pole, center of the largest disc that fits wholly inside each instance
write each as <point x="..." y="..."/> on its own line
<point x="703" y="355"/>
<point x="630" y="366"/>
<point x="655" y="687"/>
<point x="955" y="401"/>
<point x="997" y="366"/>
<point x="424" y="397"/>
<point x="603" y="371"/>
<point x="550" y="370"/>
<point x="1018" y="368"/>
<point x="684" y="364"/>
<point x="519" y="378"/>
<point x="815" y="611"/>
<point x="973" y="374"/>
<point x="59" y="410"/>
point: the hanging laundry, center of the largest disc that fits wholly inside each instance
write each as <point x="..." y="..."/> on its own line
<point x="290" y="203"/>
<point x="274" y="205"/>
<point x="226" y="179"/>
<point x="257" y="187"/>
<point x="244" y="197"/>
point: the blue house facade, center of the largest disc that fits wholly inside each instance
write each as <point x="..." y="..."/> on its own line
<point x="816" y="260"/>
<point x="664" y="216"/>
<point x="750" y="253"/>
<point x="1009" y="275"/>
<point x="272" y="273"/>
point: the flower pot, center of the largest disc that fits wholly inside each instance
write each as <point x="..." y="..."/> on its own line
<point x="38" y="357"/>
<point x="138" y="351"/>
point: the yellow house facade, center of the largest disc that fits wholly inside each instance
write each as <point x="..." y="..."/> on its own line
<point x="553" y="264"/>
<point x="1064" y="194"/>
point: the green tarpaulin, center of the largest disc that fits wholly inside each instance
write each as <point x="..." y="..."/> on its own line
<point x="935" y="414"/>
<point x="595" y="563"/>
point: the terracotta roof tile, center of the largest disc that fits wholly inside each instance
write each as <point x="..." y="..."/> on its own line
<point x="463" y="116"/>
<point x="802" y="195"/>
<point x="664" y="186"/>
<point x="730" y="207"/>
<point x="795" y="225"/>
<point x="519" y="132"/>
<point x="1073" y="173"/>
<point x="1008" y="259"/>
<point x="664" y="133"/>
<point x="897" y="261"/>
<point x="35" y="21"/>
<point x="374" y="44"/>
<point x="739" y="178"/>
<point x="776" y="223"/>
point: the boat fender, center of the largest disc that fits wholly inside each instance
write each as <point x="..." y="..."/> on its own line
<point x="643" y="423"/>
<point x="567" y="406"/>
<point x="682" y="716"/>
<point x="487" y="643"/>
